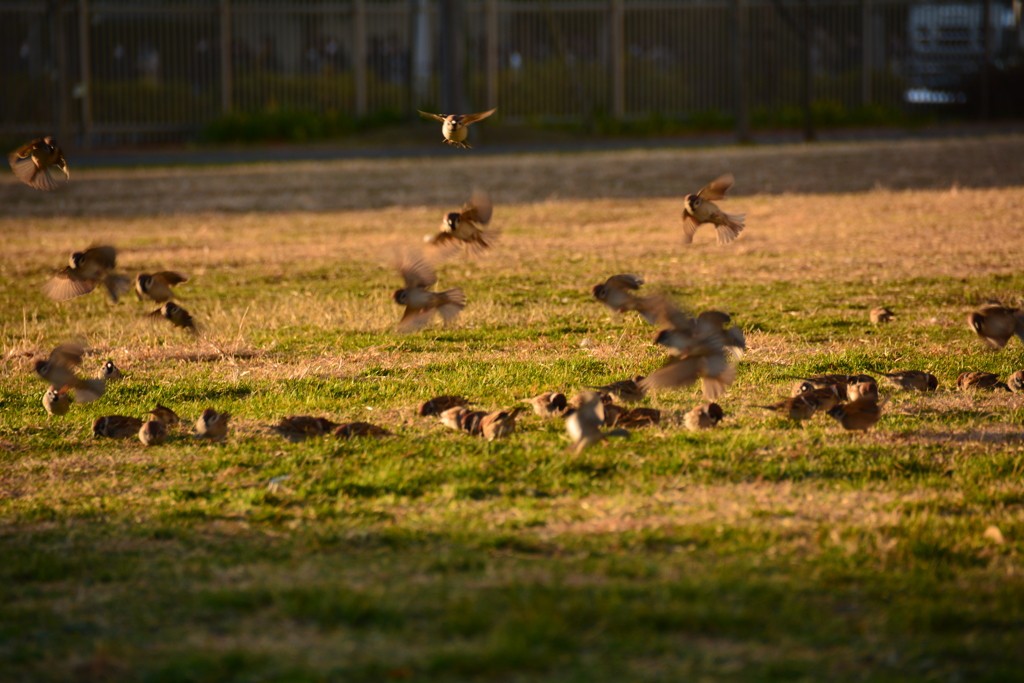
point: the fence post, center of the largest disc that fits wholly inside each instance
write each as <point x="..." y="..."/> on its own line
<point x="618" y="59"/>
<point x="491" y="27"/>
<point x="983" y="104"/>
<point x="808" y="85"/>
<point x="452" y="35"/>
<point x="225" y="57"/>
<point x="60" y="38"/>
<point x="83" y="60"/>
<point x="359" y="54"/>
<point x="867" y="51"/>
<point x="740" y="52"/>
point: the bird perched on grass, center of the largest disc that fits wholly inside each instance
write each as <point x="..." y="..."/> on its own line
<point x="56" y="401"/>
<point x="858" y="390"/>
<point x="153" y="433"/>
<point x="912" y="380"/>
<point x="617" y="294"/>
<point x="84" y="271"/>
<point x="634" y="418"/>
<point x="548" y="404"/>
<point x="468" y="226"/>
<point x="297" y="428"/>
<point x="996" y="324"/>
<point x="421" y="303"/>
<point x="624" y="391"/>
<point x="116" y="426"/>
<point x="825" y="398"/>
<point x="499" y="423"/>
<point x="59" y="371"/>
<point x="968" y="381"/>
<point x="703" y="417"/>
<point x="881" y="315"/>
<point x="110" y="372"/>
<point x="212" y="425"/>
<point x="796" y="408"/>
<point x="463" y="419"/>
<point x="699" y="209"/>
<point x="584" y="423"/>
<point x="31" y="163"/>
<point x="176" y="315"/>
<point x="157" y="286"/>
<point x="439" y="404"/>
<point x="351" y="430"/>
<point x="859" y="415"/>
<point x="455" y="127"/>
<point x="1016" y="382"/>
<point x="165" y="415"/>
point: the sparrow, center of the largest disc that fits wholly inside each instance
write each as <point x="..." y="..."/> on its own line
<point x="584" y="423"/>
<point x="59" y="371"/>
<point x="801" y="387"/>
<point x="996" y="324"/>
<point x="859" y="390"/>
<point x="56" y="401"/>
<point x="1016" y="381"/>
<point x="439" y="404"/>
<point x="468" y="226"/>
<point x="912" y="380"/>
<point x="165" y="415"/>
<point x="110" y="372"/>
<point x="825" y="398"/>
<point x="499" y="424"/>
<point x="212" y="425"/>
<point x="84" y="271"/>
<point x="797" y="408"/>
<point x="696" y="349"/>
<point x="616" y="294"/>
<point x="420" y="303"/>
<point x="158" y="285"/>
<point x="979" y="380"/>
<point x="353" y="429"/>
<point x="680" y="331"/>
<point x="881" y="315"/>
<point x="636" y="418"/>
<point x="626" y="391"/>
<point x="31" y="163"/>
<point x="176" y="315"/>
<point x="839" y="381"/>
<point x="462" y="418"/>
<point x="859" y="415"/>
<point x="703" y="417"/>
<point x="456" y="126"/>
<point x="116" y="426"/>
<point x="153" y="433"/>
<point x="296" y="428"/>
<point x="548" y="404"/>
<point x="699" y="209"/>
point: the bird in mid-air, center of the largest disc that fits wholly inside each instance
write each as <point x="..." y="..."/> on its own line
<point x="59" y="371"/>
<point x="456" y="126"/>
<point x="420" y="303"/>
<point x="157" y="286"/>
<point x="468" y="226"/>
<point x="84" y="271"/>
<point x="700" y="208"/>
<point x="32" y="162"/>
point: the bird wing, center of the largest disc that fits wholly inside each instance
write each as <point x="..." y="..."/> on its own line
<point x="67" y="285"/>
<point x="625" y="281"/>
<point x="717" y="188"/>
<point x="478" y="209"/>
<point x="68" y="354"/>
<point x="24" y="168"/>
<point x="25" y="150"/>
<point x="414" y="318"/>
<point x="661" y="310"/>
<point x="678" y="372"/>
<point x="170" y="277"/>
<point x="104" y="255"/>
<point x="417" y="273"/>
<point x="690" y="225"/>
<point x="43" y="179"/>
<point x="428" y="115"/>
<point x="473" y="118"/>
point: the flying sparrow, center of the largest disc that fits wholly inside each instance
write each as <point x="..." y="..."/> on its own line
<point x="797" y="408"/>
<point x="153" y="433"/>
<point x="859" y="415"/>
<point x="912" y="380"/>
<point x="699" y="209"/>
<point x="176" y="315"/>
<point x="84" y="271"/>
<point x="31" y="163"/>
<point x="165" y="415"/>
<point x="996" y="324"/>
<point x="110" y="372"/>
<point x="56" y="401"/>
<point x="979" y="380"/>
<point x="59" y="371"/>
<point x="353" y="429"/>
<point x="548" y="404"/>
<point x="158" y="285"/>
<point x="617" y="294"/>
<point x="626" y="391"/>
<point x="499" y="423"/>
<point x="696" y="349"/>
<point x="439" y="404"/>
<point x="1016" y="381"/>
<point x="703" y="417"/>
<point x="881" y="315"/>
<point x="116" y="426"/>
<point x="296" y="428"/>
<point x="468" y="226"/>
<point x="212" y="425"/>
<point x="858" y="390"/>
<point x="456" y="126"/>
<point x="584" y="423"/>
<point x="420" y="303"/>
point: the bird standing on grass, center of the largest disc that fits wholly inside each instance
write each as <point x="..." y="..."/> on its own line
<point x="455" y="127"/>
<point x="212" y="425"/>
<point x="703" y="417"/>
<point x="996" y="324"/>
<point x="859" y="415"/>
<point x="153" y="433"/>
<point x="116" y="426"/>
<point x="699" y="209"/>
<point x="56" y="401"/>
<point x="584" y="423"/>
<point x="32" y="162"/>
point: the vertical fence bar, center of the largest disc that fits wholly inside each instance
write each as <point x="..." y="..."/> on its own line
<point x="867" y="48"/>
<point x="618" y="58"/>
<point x="83" y="58"/>
<point x="808" y="71"/>
<point x="60" y="38"/>
<point x="491" y="30"/>
<point x="225" y="56"/>
<point x="739" y="53"/>
<point x="983" y="97"/>
<point x="359" y="54"/>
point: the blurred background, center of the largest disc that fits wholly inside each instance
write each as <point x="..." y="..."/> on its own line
<point x="116" y="73"/>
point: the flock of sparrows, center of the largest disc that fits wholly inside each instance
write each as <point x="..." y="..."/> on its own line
<point x="704" y="347"/>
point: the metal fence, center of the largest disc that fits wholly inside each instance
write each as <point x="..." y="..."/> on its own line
<point x="115" y="71"/>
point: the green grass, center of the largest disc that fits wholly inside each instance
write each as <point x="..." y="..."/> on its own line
<point x="757" y="551"/>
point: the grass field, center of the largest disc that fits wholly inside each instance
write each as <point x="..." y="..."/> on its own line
<point x="759" y="550"/>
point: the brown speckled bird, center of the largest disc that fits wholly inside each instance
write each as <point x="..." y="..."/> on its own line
<point x="584" y="423"/>
<point x="797" y="408"/>
<point x="617" y="294"/>
<point x="153" y="433"/>
<point x="351" y="430"/>
<point x="110" y="372"/>
<point x="212" y="425"/>
<point x="31" y="163"/>
<point x="636" y="418"/>
<point x="548" y="404"/>
<point x="176" y="315"/>
<point x="912" y="380"/>
<point x="699" y="209"/>
<point x="825" y="398"/>
<point x="499" y="424"/>
<point x="56" y="402"/>
<point x="59" y="371"/>
<point x="116" y="426"/>
<point x="421" y="303"/>
<point x="697" y="349"/>
<point x="859" y="415"/>
<point x="84" y="271"/>
<point x="468" y="227"/>
<point x="880" y="315"/>
<point x="625" y="391"/>
<point x="996" y="324"/>
<point x="859" y="390"/>
<point x="1016" y="381"/>
<point x="703" y="417"/>
<point x="464" y="419"/>
<point x="296" y="428"/>
<point x="455" y="126"/>
<point x="968" y="381"/>
<point x="157" y="286"/>
<point x="165" y="415"/>
<point x="439" y="404"/>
